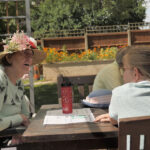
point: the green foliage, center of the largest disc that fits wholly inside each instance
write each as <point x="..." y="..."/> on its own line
<point x="54" y="55"/>
<point x="124" y="11"/>
<point x="44" y="94"/>
<point x="47" y="94"/>
<point x="51" y="15"/>
<point x="4" y="23"/>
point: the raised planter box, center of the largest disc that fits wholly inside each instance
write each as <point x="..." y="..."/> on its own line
<point x="51" y="71"/>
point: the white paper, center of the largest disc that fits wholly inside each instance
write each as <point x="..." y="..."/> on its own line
<point x="78" y="116"/>
<point x="9" y="148"/>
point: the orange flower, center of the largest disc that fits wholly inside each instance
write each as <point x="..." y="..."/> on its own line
<point x="45" y="49"/>
<point x="94" y="49"/>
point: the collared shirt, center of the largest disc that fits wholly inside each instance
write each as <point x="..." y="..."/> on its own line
<point x="130" y="100"/>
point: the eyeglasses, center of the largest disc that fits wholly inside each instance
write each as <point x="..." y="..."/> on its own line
<point x="27" y="53"/>
<point x="126" y="68"/>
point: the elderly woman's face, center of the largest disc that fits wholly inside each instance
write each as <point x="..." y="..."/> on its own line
<point x="21" y="61"/>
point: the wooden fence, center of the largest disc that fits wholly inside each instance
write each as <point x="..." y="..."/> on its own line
<point x="96" y="36"/>
<point x="91" y="40"/>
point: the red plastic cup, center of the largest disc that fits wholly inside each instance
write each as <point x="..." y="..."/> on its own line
<point x="66" y="99"/>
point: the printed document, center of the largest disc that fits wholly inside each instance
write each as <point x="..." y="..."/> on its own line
<point x="78" y="116"/>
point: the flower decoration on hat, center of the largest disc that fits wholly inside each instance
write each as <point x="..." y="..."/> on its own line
<point x="18" y="42"/>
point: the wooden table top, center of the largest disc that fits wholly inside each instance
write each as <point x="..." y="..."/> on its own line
<point x="37" y="132"/>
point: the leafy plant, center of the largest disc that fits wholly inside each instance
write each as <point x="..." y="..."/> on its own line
<point x="55" y="55"/>
<point x="54" y="15"/>
<point x="44" y="94"/>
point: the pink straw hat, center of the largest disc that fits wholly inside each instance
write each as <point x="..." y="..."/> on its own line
<point x="19" y="42"/>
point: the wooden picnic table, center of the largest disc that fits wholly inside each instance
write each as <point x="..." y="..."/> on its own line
<point x="69" y="136"/>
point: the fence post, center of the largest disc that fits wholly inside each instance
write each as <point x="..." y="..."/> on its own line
<point x="129" y="35"/>
<point x="129" y="38"/>
<point x="28" y="27"/>
<point x="86" y="40"/>
<point x="42" y="43"/>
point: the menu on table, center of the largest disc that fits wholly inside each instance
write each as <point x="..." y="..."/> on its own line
<point x="78" y="116"/>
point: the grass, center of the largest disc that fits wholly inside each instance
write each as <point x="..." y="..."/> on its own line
<point x="44" y="94"/>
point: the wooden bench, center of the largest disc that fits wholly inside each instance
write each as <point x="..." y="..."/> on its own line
<point x="81" y="85"/>
<point x="134" y="133"/>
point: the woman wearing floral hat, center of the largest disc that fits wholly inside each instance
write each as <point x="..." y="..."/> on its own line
<point x="20" y="52"/>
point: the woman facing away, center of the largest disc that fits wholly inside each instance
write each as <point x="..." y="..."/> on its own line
<point x="110" y="77"/>
<point x="20" y="52"/>
<point x="106" y="80"/>
<point x="133" y="98"/>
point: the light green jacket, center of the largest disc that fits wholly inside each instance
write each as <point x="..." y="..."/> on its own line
<point x="12" y="102"/>
<point x="108" y="77"/>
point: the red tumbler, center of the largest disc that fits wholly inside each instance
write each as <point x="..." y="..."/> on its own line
<point x="66" y="98"/>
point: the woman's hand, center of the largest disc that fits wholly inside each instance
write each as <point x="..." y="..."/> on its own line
<point x="26" y="121"/>
<point x="16" y="139"/>
<point x="103" y="118"/>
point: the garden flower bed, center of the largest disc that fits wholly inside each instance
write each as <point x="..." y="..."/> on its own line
<point x="54" y="55"/>
<point x="86" y="62"/>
